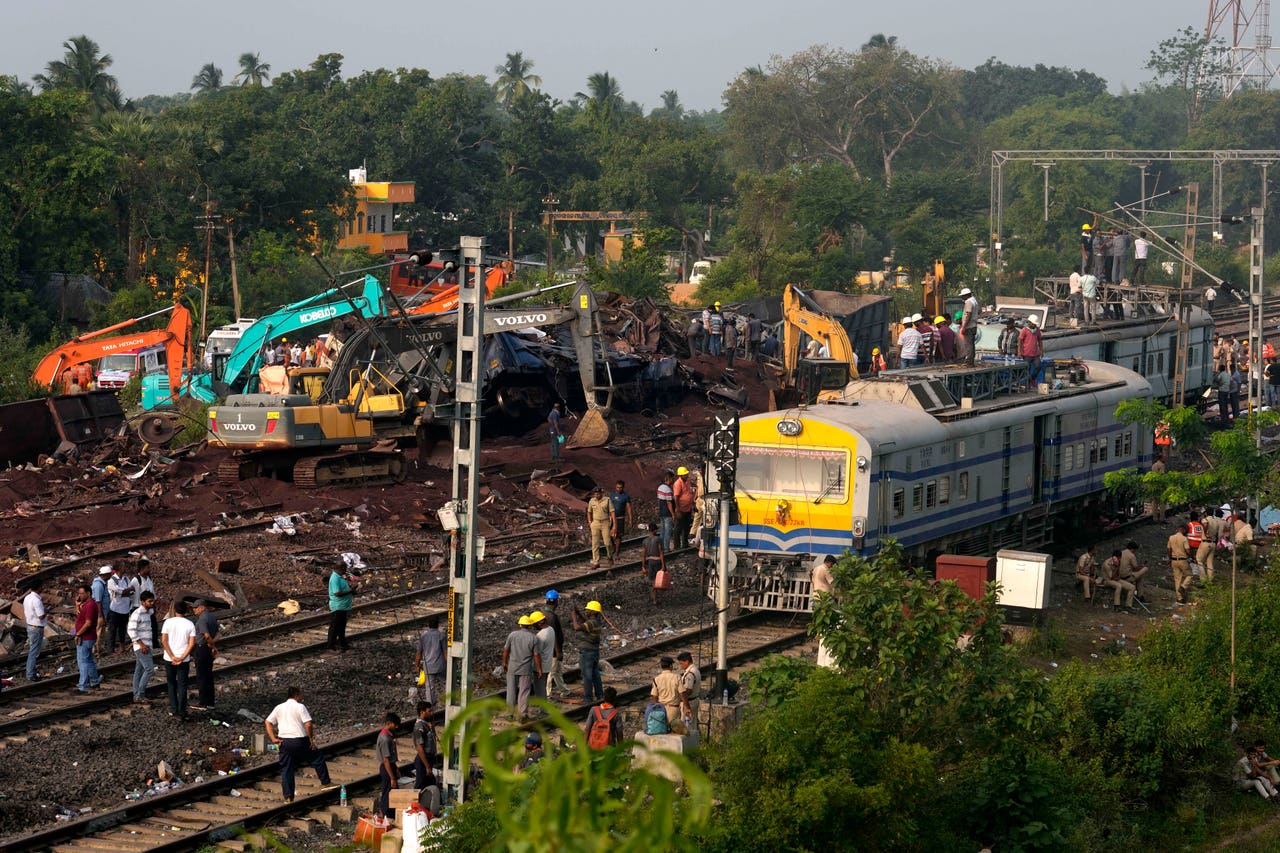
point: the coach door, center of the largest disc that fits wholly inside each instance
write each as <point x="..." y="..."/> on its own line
<point x="1045" y="463"/>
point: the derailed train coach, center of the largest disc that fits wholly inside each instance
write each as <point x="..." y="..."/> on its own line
<point x="948" y="459"/>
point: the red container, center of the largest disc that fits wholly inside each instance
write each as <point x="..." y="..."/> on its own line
<point x="971" y="573"/>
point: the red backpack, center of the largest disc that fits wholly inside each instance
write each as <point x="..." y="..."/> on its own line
<point x="600" y="729"/>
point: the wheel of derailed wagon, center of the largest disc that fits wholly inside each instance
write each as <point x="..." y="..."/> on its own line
<point x="156" y="428"/>
<point x="594" y="430"/>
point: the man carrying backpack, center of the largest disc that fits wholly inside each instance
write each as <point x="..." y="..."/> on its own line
<point x="666" y="691"/>
<point x="604" y="723"/>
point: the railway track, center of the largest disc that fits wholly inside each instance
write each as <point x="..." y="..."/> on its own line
<point x="31" y="709"/>
<point x="218" y="809"/>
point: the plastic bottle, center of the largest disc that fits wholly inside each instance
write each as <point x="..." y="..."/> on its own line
<point x="342" y="796"/>
<point x="726" y="697"/>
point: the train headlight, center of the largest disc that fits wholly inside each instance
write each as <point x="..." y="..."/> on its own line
<point x="862" y="463"/>
<point x="790" y="427"/>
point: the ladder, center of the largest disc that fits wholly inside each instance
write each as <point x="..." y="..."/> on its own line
<point x="1183" y="348"/>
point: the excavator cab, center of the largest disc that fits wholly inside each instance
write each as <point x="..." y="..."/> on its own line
<point x="374" y="396"/>
<point x="816" y="375"/>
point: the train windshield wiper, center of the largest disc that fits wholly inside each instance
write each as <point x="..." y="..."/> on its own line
<point x="832" y="485"/>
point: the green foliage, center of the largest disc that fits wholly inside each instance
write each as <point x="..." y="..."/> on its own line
<point x="641" y="272"/>
<point x="131" y="394"/>
<point x="575" y="799"/>
<point x="17" y="360"/>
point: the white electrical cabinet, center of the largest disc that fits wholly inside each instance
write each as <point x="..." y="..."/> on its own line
<point x="1024" y="579"/>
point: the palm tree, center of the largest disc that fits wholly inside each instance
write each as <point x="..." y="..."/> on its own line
<point x="671" y="107"/>
<point x="603" y="96"/>
<point x="880" y="40"/>
<point x="515" y="78"/>
<point x="11" y="85"/>
<point x="253" y="71"/>
<point x="208" y="81"/>
<point x="83" y="69"/>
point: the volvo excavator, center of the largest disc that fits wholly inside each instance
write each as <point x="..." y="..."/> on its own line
<point x="392" y="380"/>
<point x="77" y="353"/>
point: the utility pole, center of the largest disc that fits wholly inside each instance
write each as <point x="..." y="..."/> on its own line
<point x="466" y="486"/>
<point x="235" y="282"/>
<point x="549" y="203"/>
<point x="206" y="225"/>
<point x="724" y="458"/>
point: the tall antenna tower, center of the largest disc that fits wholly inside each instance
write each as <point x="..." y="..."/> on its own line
<point x="1245" y="27"/>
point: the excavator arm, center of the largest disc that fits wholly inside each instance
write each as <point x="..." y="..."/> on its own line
<point x="175" y="337"/>
<point x="802" y="315"/>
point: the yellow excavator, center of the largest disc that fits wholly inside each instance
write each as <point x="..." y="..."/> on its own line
<point x="808" y="378"/>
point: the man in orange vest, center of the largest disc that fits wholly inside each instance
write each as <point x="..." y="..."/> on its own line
<point x="1195" y="538"/>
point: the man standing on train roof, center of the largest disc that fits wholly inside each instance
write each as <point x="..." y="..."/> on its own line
<point x="1089" y="289"/>
<point x="1086" y="247"/>
<point x="969" y="326"/>
<point x="925" y="328"/>
<point x="1031" y="348"/>
<point x="908" y="344"/>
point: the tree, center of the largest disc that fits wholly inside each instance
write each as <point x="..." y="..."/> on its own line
<point x="880" y="40"/>
<point x="641" y="272"/>
<point x="515" y="79"/>
<point x="84" y="69"/>
<point x="253" y="71"/>
<point x="862" y="110"/>
<point x="671" y="107"/>
<point x="995" y="89"/>
<point x="208" y="81"/>
<point x="603" y="97"/>
<point x="1192" y="65"/>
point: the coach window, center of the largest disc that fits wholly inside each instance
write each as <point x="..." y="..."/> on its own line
<point x="1136" y="368"/>
<point x="1068" y="457"/>
<point x="1128" y="443"/>
<point x="1080" y="463"/>
<point x="962" y="486"/>
<point x="931" y="494"/>
<point x="917" y="497"/>
<point x="1119" y="446"/>
<point x="1102" y="450"/>
<point x="1093" y="452"/>
<point x="944" y="490"/>
<point x="960" y="449"/>
<point x="899" y="503"/>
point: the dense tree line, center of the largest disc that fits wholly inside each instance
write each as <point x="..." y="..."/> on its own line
<point x="820" y="165"/>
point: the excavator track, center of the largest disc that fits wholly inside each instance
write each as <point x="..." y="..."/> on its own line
<point x="235" y="469"/>
<point x="357" y="466"/>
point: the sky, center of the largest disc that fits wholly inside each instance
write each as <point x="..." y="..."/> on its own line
<point x="695" y="47"/>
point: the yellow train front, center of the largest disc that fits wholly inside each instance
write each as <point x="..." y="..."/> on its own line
<point x="943" y="459"/>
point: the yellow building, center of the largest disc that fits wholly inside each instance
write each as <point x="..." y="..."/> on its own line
<point x="615" y="238"/>
<point x="373" y="224"/>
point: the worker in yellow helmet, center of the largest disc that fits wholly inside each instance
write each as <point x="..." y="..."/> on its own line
<point x="588" y="627"/>
<point x="877" y="361"/>
<point x="685" y="494"/>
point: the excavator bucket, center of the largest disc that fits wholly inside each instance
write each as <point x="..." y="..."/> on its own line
<point x="594" y="430"/>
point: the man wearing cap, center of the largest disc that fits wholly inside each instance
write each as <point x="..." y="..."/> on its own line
<point x="1031" y="348"/>
<point x="588" y="627"/>
<point x="546" y="637"/>
<point x="533" y="752"/>
<point x="715" y="328"/>
<point x="120" y="595"/>
<point x="685" y="495"/>
<point x="99" y="592"/>
<point x="205" y="652"/>
<point x="690" y="688"/>
<point x="1086" y="246"/>
<point x="341" y="594"/>
<point x="666" y="690"/>
<point x="598" y="512"/>
<point x="969" y="326"/>
<point x="1179" y="551"/>
<point x="555" y="675"/>
<point x="944" y="341"/>
<point x="908" y="344"/>
<point x="520" y="661"/>
<point x="878" y="363"/>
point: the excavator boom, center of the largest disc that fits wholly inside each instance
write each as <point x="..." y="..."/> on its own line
<point x="175" y="337"/>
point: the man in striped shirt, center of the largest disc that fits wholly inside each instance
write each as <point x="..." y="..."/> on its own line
<point x="142" y="637"/>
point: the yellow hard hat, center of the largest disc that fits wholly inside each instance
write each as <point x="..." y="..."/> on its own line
<point x="1086" y="227"/>
<point x="717" y="304"/>
<point x="681" y="471"/>
<point x="284" y="340"/>
<point x="939" y="319"/>
<point x="595" y="605"/>
<point x="875" y="350"/>
<point x="524" y="621"/>
<point x="535" y="617"/>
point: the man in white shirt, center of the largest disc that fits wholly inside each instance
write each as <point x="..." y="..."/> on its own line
<point x="1089" y="290"/>
<point x="1076" y="297"/>
<point x="1210" y="296"/>
<point x="121" y="592"/>
<point x="908" y="344"/>
<point x="178" y="638"/>
<point x="34" y="613"/>
<point x="969" y="326"/>
<point x="1141" y="246"/>
<point x="142" y="581"/>
<point x="140" y="635"/>
<point x="289" y="727"/>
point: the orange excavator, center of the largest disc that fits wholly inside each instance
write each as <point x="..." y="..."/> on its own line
<point x="75" y="354"/>
<point x="437" y="295"/>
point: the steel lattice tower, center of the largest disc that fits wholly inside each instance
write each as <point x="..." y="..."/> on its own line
<point x="1247" y="65"/>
